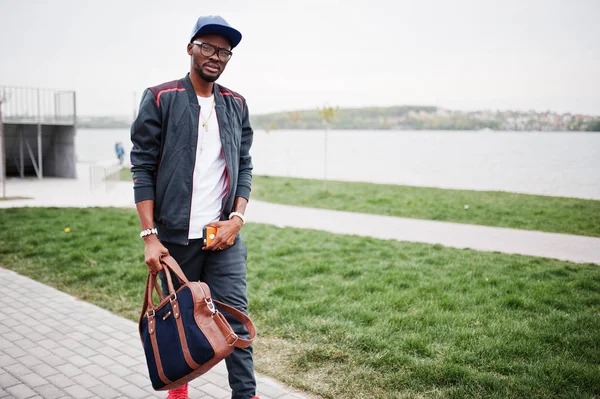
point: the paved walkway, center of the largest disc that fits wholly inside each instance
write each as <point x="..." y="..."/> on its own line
<point x="55" y="346"/>
<point x="568" y="247"/>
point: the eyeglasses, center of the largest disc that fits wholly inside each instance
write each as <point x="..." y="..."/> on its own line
<point x="207" y="50"/>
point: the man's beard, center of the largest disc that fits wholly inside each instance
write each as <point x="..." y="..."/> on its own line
<point x="205" y="77"/>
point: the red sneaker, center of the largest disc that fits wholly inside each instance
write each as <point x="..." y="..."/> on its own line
<point x="179" y="393"/>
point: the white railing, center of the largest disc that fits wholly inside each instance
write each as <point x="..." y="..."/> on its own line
<point x="104" y="175"/>
<point x="37" y="106"/>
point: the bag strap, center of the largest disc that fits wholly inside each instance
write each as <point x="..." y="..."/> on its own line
<point x="244" y="319"/>
<point x="158" y="290"/>
<point x="152" y="283"/>
<point x="172" y="264"/>
<point x="146" y="294"/>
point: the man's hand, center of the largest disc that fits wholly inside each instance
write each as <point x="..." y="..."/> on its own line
<point x="226" y="232"/>
<point x="153" y="252"/>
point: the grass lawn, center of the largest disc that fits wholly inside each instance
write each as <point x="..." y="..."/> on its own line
<point x="347" y="317"/>
<point x="125" y="174"/>
<point x="489" y="208"/>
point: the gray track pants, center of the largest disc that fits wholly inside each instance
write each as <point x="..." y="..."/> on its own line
<point x="225" y="273"/>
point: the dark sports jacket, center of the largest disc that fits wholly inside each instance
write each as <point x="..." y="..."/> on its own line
<point x="165" y="136"/>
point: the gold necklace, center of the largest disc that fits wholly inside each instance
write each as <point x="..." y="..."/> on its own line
<point x="205" y="120"/>
<point x="205" y="124"/>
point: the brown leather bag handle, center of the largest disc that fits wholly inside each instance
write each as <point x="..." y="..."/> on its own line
<point x="170" y="264"/>
<point x="146" y="294"/>
<point x="152" y="284"/>
<point x="157" y="288"/>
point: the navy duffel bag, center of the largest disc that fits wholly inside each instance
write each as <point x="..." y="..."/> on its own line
<point x="185" y="335"/>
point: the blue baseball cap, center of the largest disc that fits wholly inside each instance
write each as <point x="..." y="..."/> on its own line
<point x="215" y="24"/>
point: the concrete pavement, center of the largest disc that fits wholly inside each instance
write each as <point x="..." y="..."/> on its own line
<point x="55" y="346"/>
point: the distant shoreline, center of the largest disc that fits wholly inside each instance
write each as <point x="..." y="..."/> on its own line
<point x="128" y="126"/>
<point x="406" y="117"/>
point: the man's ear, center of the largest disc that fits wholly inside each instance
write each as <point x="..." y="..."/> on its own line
<point x="190" y="46"/>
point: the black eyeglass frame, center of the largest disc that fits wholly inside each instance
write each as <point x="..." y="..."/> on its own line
<point x="215" y="49"/>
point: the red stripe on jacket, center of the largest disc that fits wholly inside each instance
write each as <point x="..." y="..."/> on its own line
<point x="164" y="91"/>
<point x="226" y="93"/>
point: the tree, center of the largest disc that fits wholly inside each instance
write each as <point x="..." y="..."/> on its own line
<point x="294" y="117"/>
<point x="326" y="114"/>
<point x="594" y="126"/>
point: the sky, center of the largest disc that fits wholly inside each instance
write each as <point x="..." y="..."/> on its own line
<point x="300" y="54"/>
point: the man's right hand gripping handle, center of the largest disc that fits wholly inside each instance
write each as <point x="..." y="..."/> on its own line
<point x="153" y="251"/>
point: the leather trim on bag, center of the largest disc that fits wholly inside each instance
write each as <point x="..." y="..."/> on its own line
<point x="159" y="366"/>
<point x="183" y="339"/>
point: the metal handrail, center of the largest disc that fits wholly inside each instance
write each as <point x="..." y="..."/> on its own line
<point x="34" y="105"/>
<point x="104" y="174"/>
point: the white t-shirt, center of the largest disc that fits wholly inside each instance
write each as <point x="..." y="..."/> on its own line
<point x="210" y="175"/>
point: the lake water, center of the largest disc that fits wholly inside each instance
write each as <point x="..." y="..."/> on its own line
<point x="549" y="163"/>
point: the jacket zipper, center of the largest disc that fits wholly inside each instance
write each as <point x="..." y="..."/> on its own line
<point x="226" y="167"/>
<point x="228" y="184"/>
<point x="193" y="171"/>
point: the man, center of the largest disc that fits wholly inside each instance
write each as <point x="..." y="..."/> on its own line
<point x="120" y="151"/>
<point x="192" y="168"/>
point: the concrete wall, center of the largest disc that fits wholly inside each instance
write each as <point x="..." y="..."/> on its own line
<point x="58" y="150"/>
